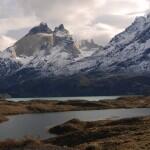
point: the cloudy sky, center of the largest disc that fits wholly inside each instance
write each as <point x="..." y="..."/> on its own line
<point x="85" y="19"/>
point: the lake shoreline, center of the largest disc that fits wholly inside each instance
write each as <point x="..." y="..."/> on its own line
<point x="122" y="134"/>
<point x="8" y="108"/>
<point x="96" y="135"/>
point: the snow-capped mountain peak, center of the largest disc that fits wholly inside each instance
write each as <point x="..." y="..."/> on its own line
<point x="53" y="61"/>
<point x="44" y="47"/>
<point x="129" y="51"/>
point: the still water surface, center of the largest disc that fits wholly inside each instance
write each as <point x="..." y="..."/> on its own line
<point x="36" y="125"/>
<point x="89" y="98"/>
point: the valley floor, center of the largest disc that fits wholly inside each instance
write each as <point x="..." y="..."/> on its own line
<point x="125" y="134"/>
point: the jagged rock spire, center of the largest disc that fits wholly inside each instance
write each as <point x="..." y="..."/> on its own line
<point x="61" y="28"/>
<point x="41" y="28"/>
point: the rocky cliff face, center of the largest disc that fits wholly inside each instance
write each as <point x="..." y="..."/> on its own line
<point x="52" y="50"/>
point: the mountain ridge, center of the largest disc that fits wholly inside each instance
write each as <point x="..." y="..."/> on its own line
<point x="52" y="59"/>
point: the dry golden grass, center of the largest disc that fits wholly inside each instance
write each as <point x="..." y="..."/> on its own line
<point x="41" y="106"/>
<point x="29" y="144"/>
<point x="125" y="134"/>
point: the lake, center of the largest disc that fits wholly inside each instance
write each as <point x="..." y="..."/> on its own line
<point x="36" y="125"/>
<point x="89" y="98"/>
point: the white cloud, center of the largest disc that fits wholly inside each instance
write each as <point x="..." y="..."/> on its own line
<point x="6" y="42"/>
<point x="98" y="19"/>
<point x="15" y="23"/>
